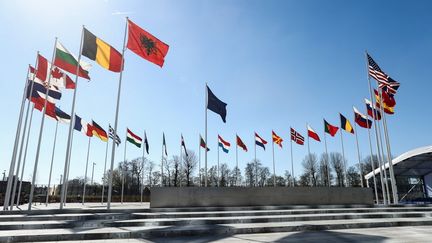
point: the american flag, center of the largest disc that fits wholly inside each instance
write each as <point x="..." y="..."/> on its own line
<point x="385" y="82"/>
<point x="296" y="137"/>
<point x="111" y="135"/>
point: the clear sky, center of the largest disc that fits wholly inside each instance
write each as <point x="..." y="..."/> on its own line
<point x="275" y="63"/>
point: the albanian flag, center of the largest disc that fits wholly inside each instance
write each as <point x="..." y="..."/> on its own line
<point x="146" y="45"/>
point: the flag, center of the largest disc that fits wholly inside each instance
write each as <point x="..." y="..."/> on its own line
<point x="184" y="145"/>
<point x="66" y="61"/>
<point x="259" y="141"/>
<point x="385" y="82"/>
<point x="164" y="144"/>
<point x="99" y="132"/>
<point x="223" y="144"/>
<point x="371" y="109"/>
<point x="313" y="134"/>
<point x="101" y="52"/>
<point x="216" y="105"/>
<point x="296" y="137"/>
<point x="82" y="126"/>
<point x="388" y="101"/>
<point x="39" y="102"/>
<point x="203" y="143"/>
<point x="276" y="139"/>
<point x="113" y="135"/>
<point x="146" y="144"/>
<point x="362" y="120"/>
<point x="132" y="138"/>
<point x="330" y="129"/>
<point x="39" y="90"/>
<point x="345" y="124"/>
<point x="58" y="78"/>
<point x="241" y="144"/>
<point x="146" y="45"/>
<point x="62" y="116"/>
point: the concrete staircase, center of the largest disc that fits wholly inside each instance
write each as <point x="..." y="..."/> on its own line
<point x="77" y="224"/>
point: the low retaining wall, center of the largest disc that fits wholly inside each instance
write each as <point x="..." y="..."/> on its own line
<point x="176" y="197"/>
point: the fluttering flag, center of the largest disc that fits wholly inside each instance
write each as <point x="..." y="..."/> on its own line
<point x="372" y="110"/>
<point x="113" y="135"/>
<point x="361" y="119"/>
<point x="101" y="52"/>
<point x="39" y="102"/>
<point x="385" y="81"/>
<point x="330" y="129"/>
<point x="259" y="141"/>
<point x="313" y="134"/>
<point x="345" y="124"/>
<point x="223" y="144"/>
<point x="184" y="145"/>
<point x="388" y="101"/>
<point x="39" y="90"/>
<point x="82" y="126"/>
<point x="66" y="61"/>
<point x="146" y="45"/>
<point x="276" y="139"/>
<point x="216" y="105"/>
<point x="203" y="143"/>
<point x="241" y="144"/>
<point x="62" y="116"/>
<point x="146" y="144"/>
<point x="99" y="132"/>
<point x="59" y="79"/>
<point x="133" y="138"/>
<point x="297" y="137"/>
<point x="164" y="144"/>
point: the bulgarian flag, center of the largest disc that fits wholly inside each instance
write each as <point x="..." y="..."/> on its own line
<point x="132" y="138"/>
<point x="66" y="61"/>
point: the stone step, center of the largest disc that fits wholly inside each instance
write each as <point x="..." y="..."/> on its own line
<point x="77" y="217"/>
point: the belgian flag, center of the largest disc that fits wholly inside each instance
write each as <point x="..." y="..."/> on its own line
<point x="101" y="52"/>
<point x="346" y="125"/>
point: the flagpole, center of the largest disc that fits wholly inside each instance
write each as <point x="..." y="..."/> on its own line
<point x="199" y="160"/>
<point x="383" y="188"/>
<point x="41" y="131"/>
<point x="67" y="175"/>
<point x="123" y="170"/>
<point x="309" y="153"/>
<point x="383" y="163"/>
<point x="15" y="180"/>
<point x="25" y="156"/>
<point x="236" y="160"/>
<point x="85" y="175"/>
<point x="327" y="160"/>
<point x="15" y="149"/>
<point x="344" y="162"/>
<point x="256" y="164"/>
<point x="52" y="161"/>
<point x="181" y="159"/>
<point x="292" y="164"/>
<point x="206" y="150"/>
<point x="218" y="163"/>
<point x="373" y="166"/>
<point x="162" y="158"/>
<point x="142" y="168"/>
<point x="104" y="171"/>
<point x="63" y="194"/>
<point x="274" y="169"/>
<point x="116" y="119"/>
<point x="358" y="154"/>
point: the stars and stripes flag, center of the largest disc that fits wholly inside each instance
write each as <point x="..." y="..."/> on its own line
<point x="385" y="82"/>
<point x="296" y="137"/>
<point x="113" y="135"/>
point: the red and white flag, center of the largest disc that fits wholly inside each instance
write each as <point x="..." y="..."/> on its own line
<point x="313" y="134"/>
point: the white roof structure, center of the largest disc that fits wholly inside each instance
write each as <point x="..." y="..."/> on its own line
<point x="416" y="162"/>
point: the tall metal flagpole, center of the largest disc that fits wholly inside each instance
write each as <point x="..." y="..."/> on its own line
<point x="162" y="159"/>
<point x="181" y="158"/>
<point x="15" y="149"/>
<point x="123" y="170"/>
<point x="104" y="171"/>
<point x="376" y="133"/>
<point x="199" y="160"/>
<point x="383" y="163"/>
<point x="142" y="170"/>
<point x="41" y="131"/>
<point x="309" y="153"/>
<point x="344" y="161"/>
<point x="218" y="179"/>
<point x="25" y="156"/>
<point x="256" y="164"/>
<point x="15" y="180"/>
<point x="327" y="160"/>
<point x="52" y="161"/>
<point x="85" y="174"/>
<point x="373" y="167"/>
<point x="205" y="125"/>
<point x="67" y="174"/>
<point x="116" y="119"/>
<point x="358" y="154"/>
<point x="292" y="164"/>
<point x="274" y="169"/>
<point x="236" y="161"/>
<point x="63" y="193"/>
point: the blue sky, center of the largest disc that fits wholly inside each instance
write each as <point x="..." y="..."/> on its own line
<point x="276" y="64"/>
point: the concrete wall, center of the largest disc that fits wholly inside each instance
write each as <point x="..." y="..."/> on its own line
<point x="174" y="197"/>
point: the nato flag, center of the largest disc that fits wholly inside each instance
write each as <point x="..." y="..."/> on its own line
<point x="216" y="105"/>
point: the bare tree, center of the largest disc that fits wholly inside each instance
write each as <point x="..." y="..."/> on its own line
<point x="176" y="170"/>
<point x="288" y="178"/>
<point x="325" y="170"/>
<point x="263" y="175"/>
<point x="353" y="176"/>
<point x="337" y="162"/>
<point x="250" y="174"/>
<point x="168" y="171"/>
<point x="224" y="174"/>
<point x="310" y="168"/>
<point x="150" y="166"/>
<point x="189" y="163"/>
<point x="235" y="178"/>
<point x="156" y="176"/>
<point x="212" y="176"/>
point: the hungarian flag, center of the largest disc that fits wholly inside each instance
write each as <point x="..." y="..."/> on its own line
<point x="164" y="144"/>
<point x="259" y="141"/>
<point x="146" y="45"/>
<point x="372" y="110"/>
<point x="388" y="101"/>
<point x="362" y="120"/>
<point x="297" y="137"/>
<point x="216" y="105"/>
<point x="330" y="129"/>
<point x="146" y="144"/>
<point x="241" y="144"/>
<point x="132" y="138"/>
<point x="345" y="124"/>
<point x="101" y="52"/>
<point x="99" y="132"/>
<point x="313" y="134"/>
<point x="203" y="143"/>
<point x="276" y="139"/>
<point x="66" y="61"/>
<point x="184" y="145"/>
<point x="223" y="144"/>
<point x="58" y="78"/>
